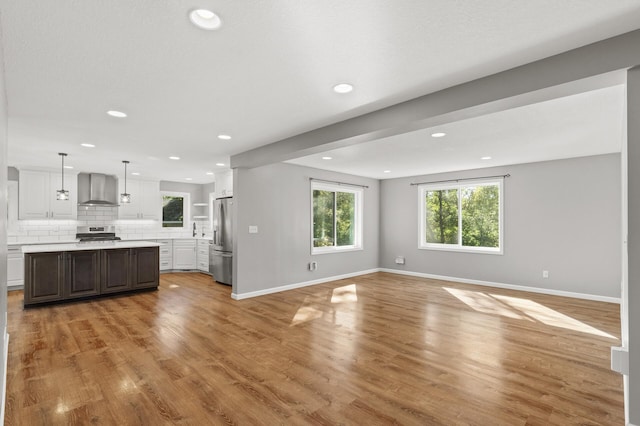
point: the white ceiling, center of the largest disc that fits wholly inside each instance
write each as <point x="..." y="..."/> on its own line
<point x="583" y="124"/>
<point x="264" y="76"/>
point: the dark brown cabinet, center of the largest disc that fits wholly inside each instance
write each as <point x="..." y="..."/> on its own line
<point x="145" y="269"/>
<point x="57" y="276"/>
<point x="43" y="277"/>
<point x="81" y="274"/>
<point x="115" y="270"/>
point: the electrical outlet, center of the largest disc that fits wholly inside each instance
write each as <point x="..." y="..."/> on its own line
<point x="400" y="260"/>
<point x="545" y="274"/>
<point x="313" y="266"/>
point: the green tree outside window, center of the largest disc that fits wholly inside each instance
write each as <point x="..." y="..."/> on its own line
<point x="466" y="215"/>
<point x="334" y="218"/>
<point x="172" y="212"/>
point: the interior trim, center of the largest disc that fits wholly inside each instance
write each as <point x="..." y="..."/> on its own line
<point x="547" y="291"/>
<point x="250" y="294"/>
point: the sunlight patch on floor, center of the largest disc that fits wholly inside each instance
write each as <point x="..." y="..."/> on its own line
<point x="305" y="314"/>
<point x="344" y="294"/>
<point x="524" y="309"/>
<point x="549" y="316"/>
<point x="315" y="307"/>
<point x="61" y="408"/>
<point x="482" y="302"/>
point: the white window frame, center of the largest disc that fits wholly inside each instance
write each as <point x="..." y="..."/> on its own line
<point x="358" y="214"/>
<point x="186" y="209"/>
<point x="422" y="190"/>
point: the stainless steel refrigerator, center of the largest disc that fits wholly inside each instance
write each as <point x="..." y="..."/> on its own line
<point x="221" y="248"/>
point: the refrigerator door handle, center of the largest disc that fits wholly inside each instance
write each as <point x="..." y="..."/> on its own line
<point x="221" y="222"/>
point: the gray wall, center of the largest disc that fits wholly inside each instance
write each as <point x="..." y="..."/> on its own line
<point x="562" y="216"/>
<point x="197" y="191"/>
<point x="206" y="189"/>
<point x="3" y="219"/>
<point x="277" y="198"/>
<point x="13" y="173"/>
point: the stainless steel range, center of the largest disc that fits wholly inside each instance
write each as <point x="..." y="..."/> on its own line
<point x="95" y="234"/>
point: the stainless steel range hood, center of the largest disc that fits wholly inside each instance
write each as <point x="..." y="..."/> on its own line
<point x="96" y="189"/>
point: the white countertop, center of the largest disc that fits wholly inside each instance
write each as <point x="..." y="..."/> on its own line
<point x="43" y="248"/>
<point x="28" y="243"/>
<point x="74" y="240"/>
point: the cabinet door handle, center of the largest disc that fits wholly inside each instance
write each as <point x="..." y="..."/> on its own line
<point x="52" y="214"/>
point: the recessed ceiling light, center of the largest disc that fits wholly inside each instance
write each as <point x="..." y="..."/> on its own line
<point x="188" y="179"/>
<point x="210" y="173"/>
<point x="68" y="167"/>
<point x="485" y="158"/>
<point x="220" y="164"/>
<point x="118" y="114"/>
<point x="343" y="88"/>
<point x="327" y="158"/>
<point x="438" y="134"/>
<point x="88" y="145"/>
<point x="224" y="137"/>
<point x="174" y="158"/>
<point x="387" y="171"/>
<point x="205" y="19"/>
<point x="135" y="173"/>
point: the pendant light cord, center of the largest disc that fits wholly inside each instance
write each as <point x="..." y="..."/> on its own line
<point x="62" y="154"/>
<point x="125" y="176"/>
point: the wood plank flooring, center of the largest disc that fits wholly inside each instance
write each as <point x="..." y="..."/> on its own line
<point x="375" y="349"/>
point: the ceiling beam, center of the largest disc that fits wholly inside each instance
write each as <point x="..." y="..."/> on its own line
<point x="530" y="83"/>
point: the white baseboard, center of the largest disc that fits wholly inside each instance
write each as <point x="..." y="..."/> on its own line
<point x="508" y="286"/>
<point x="4" y="379"/>
<point x="550" y="292"/>
<point x="299" y="285"/>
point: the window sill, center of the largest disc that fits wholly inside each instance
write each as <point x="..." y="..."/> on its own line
<point x="335" y="250"/>
<point x="498" y="252"/>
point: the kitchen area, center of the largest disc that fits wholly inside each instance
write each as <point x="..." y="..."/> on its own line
<point x="99" y="245"/>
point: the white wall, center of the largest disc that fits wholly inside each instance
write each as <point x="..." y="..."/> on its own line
<point x="633" y="246"/>
<point x="562" y="216"/>
<point x="3" y="231"/>
<point x="277" y="199"/>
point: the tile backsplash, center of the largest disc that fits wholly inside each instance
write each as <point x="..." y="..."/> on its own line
<point x="26" y="231"/>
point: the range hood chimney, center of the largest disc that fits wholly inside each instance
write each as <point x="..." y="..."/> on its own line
<point x="96" y="189"/>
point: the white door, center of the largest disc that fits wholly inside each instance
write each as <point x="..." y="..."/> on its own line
<point x="63" y="209"/>
<point x="33" y="198"/>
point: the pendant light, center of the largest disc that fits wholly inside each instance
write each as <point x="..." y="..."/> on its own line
<point x="124" y="197"/>
<point x="62" y="194"/>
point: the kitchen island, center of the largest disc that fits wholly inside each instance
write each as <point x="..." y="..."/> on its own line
<point x="60" y="272"/>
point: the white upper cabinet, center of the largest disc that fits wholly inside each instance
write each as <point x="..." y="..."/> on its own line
<point x="146" y="202"/>
<point x="224" y="184"/>
<point x="37" y="195"/>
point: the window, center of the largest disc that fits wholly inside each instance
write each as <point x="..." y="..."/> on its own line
<point x="463" y="217"/>
<point x="337" y="218"/>
<point x="175" y="211"/>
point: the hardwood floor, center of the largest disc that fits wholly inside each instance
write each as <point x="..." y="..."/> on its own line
<point x="375" y="349"/>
